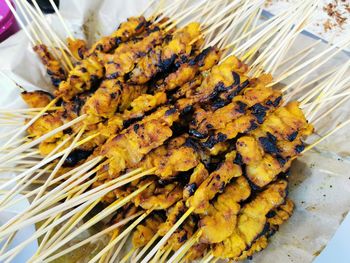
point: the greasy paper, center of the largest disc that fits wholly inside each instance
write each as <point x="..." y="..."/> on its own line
<point x="319" y="181"/>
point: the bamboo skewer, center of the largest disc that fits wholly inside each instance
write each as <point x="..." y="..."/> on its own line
<point x="119" y="248"/>
<point x="94" y="237"/>
<point x="107" y="211"/>
<point x="122" y="235"/>
<point x="180" y="253"/>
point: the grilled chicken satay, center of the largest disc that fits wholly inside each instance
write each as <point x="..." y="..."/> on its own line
<point x="219" y="80"/>
<point x="123" y="60"/>
<point x="84" y="76"/>
<point x="145" y="232"/>
<point x="78" y="48"/>
<point x="172" y="158"/>
<point x="162" y="57"/>
<point x="128" y="147"/>
<point x="251" y="221"/>
<point x="126" y="30"/>
<point x="275" y="218"/>
<point x="37" y="98"/>
<point x="270" y="149"/>
<point x="159" y="197"/>
<point x="53" y="68"/>
<point x="221" y="217"/>
<point x="188" y="71"/>
<point x="255" y="94"/>
<point x="214" y="184"/>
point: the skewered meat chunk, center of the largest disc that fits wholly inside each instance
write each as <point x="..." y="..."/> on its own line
<point x="145" y="232"/>
<point x="173" y="214"/>
<point x="159" y="197"/>
<point x="126" y="30"/>
<point x="128" y="148"/>
<point x="187" y="71"/>
<point x="129" y="94"/>
<point x="143" y="104"/>
<point x="53" y="67"/>
<point x="221" y="217"/>
<point x="83" y="77"/>
<point x="251" y="96"/>
<point x="267" y="155"/>
<point x="162" y="57"/>
<point x="104" y="102"/>
<point x="37" y="98"/>
<point x="182" y="234"/>
<point x="279" y="216"/>
<point x="251" y="221"/>
<point x="45" y="124"/>
<point x="78" y="48"/>
<point x="221" y="78"/>
<point x="215" y="183"/>
<point x="195" y="252"/>
<point x="199" y="174"/>
<point x="125" y="57"/>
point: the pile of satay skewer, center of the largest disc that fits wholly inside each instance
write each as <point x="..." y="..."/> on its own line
<point x="172" y="133"/>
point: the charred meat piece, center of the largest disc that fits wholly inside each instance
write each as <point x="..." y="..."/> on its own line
<point x="37" y="98"/>
<point x="53" y="67"/>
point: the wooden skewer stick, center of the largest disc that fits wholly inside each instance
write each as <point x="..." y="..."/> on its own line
<point x="145" y="248"/>
<point x="20" y="22"/>
<point x="13" y="252"/>
<point x="119" y="248"/>
<point x="106" y="257"/>
<point x="55" y="38"/>
<point x="65" y="26"/>
<point x="7" y="243"/>
<point x="36" y="36"/>
<point x="97" y="218"/>
<point x="41" y="113"/>
<point x="167" y="235"/>
<point x="166" y="254"/>
<point x="121" y="236"/>
<point x="128" y="256"/>
<point x="40" y="139"/>
<point x="92" y="238"/>
<point x="309" y="147"/>
<point x="180" y="253"/>
<point x="158" y="255"/>
<point x="36" y="19"/>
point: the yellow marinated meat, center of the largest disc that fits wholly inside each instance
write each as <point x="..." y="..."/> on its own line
<point x="173" y="214"/>
<point x="251" y="221"/>
<point x="280" y="215"/>
<point x="45" y="124"/>
<point x="161" y="57"/>
<point x="159" y="197"/>
<point x="104" y="102"/>
<point x="77" y="47"/>
<point x="181" y="235"/>
<point x="129" y="94"/>
<point x="218" y="80"/>
<point x="145" y="232"/>
<point x="127" y="148"/>
<point x="126" y="30"/>
<point x="53" y="66"/>
<point x="84" y="76"/>
<point x="199" y="174"/>
<point x="123" y="60"/>
<point x="187" y="71"/>
<point x="269" y="150"/>
<point x="221" y="217"/>
<point x="144" y="103"/>
<point x="37" y="98"/>
<point x="195" y="252"/>
<point x="214" y="184"/>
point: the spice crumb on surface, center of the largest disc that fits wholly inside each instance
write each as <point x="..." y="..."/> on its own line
<point x="331" y="20"/>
